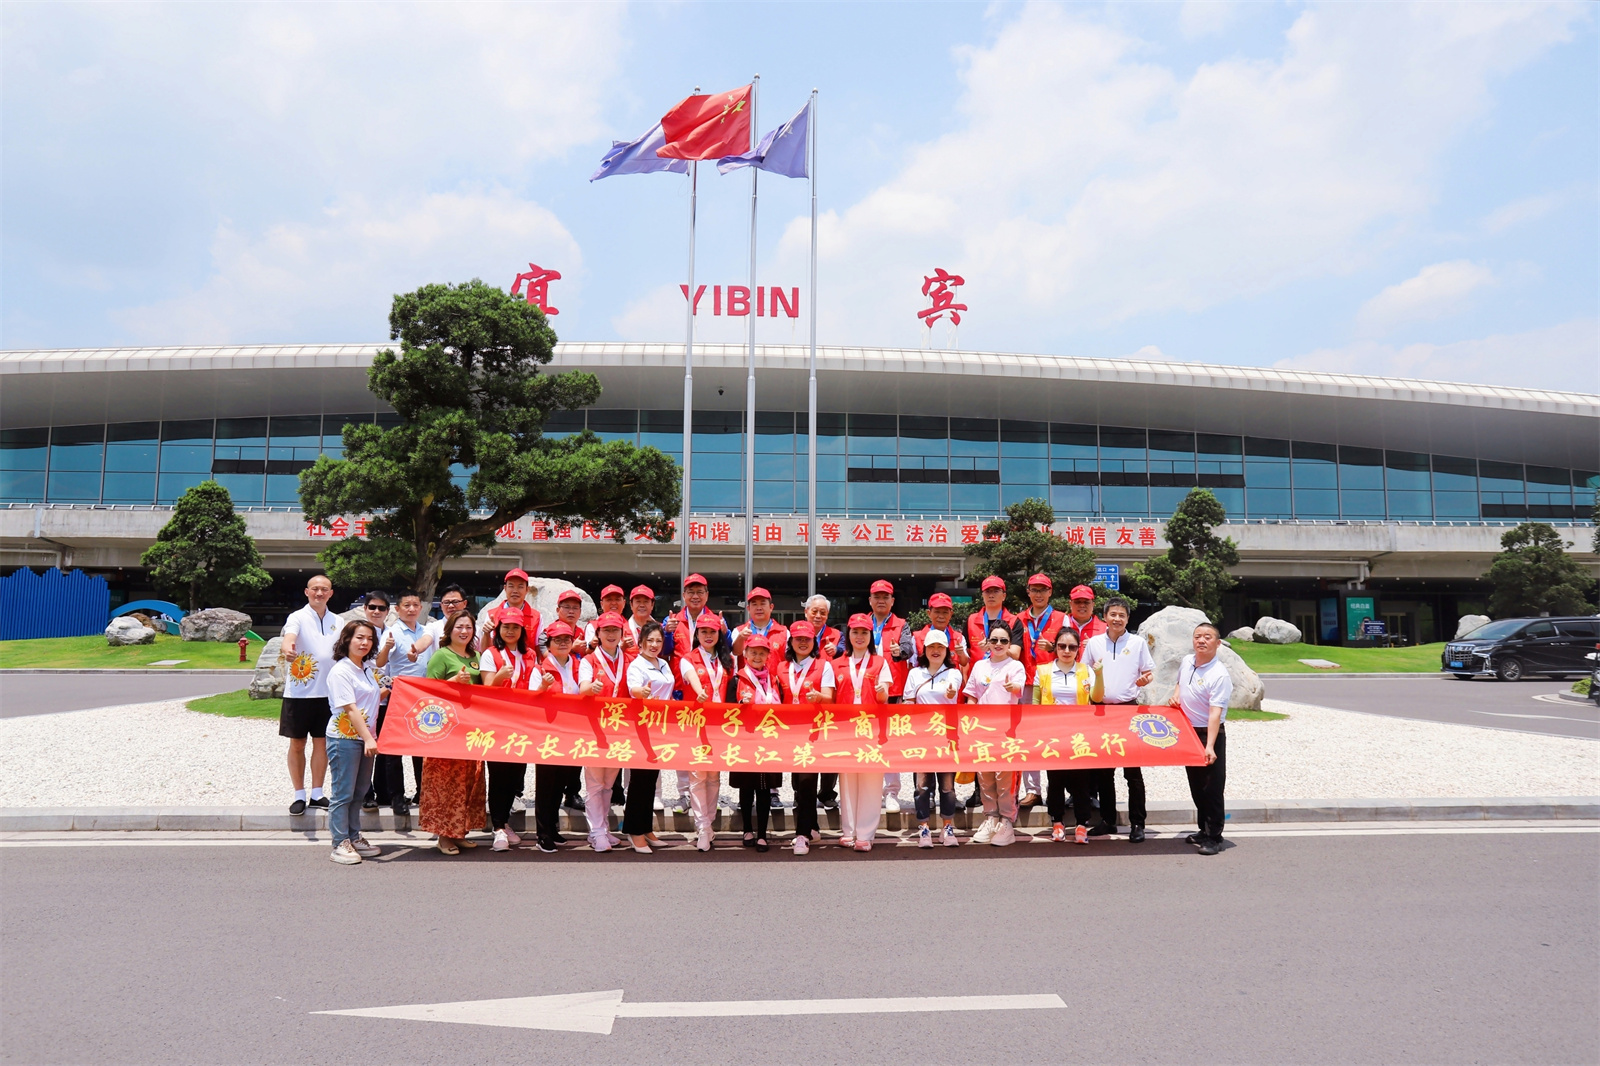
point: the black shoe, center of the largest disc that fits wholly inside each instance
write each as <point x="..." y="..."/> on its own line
<point x="762" y="845"/>
<point x="1195" y="838"/>
<point x="749" y="841"/>
<point x="369" y="804"/>
<point x="546" y="846"/>
<point x="974" y="800"/>
<point x="829" y="804"/>
<point x="323" y="803"/>
<point x="1136" y="834"/>
<point x="572" y="803"/>
<point x="297" y="807"/>
<point x="1103" y="830"/>
<point x="1210" y="847"/>
<point x="618" y="800"/>
<point x="776" y="802"/>
<point x="416" y="801"/>
<point x="401" y="808"/>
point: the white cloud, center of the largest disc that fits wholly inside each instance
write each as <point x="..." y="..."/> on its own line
<point x="1565" y="358"/>
<point x="1433" y="292"/>
<point x="311" y="278"/>
<point x="1090" y="185"/>
<point x="1201" y="18"/>
<point x="1517" y="212"/>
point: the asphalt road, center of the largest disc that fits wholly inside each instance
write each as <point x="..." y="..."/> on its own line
<point x="25" y="694"/>
<point x="1481" y="947"/>
<point x="1433" y="698"/>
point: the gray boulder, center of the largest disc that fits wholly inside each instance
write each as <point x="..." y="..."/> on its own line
<point x="1272" y="630"/>
<point x="1244" y="633"/>
<point x="1170" y="634"/>
<point x="216" y="624"/>
<point x="124" y="631"/>
<point x="1468" y="623"/>
<point x="270" y="675"/>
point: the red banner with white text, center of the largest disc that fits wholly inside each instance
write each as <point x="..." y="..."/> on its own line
<point x="450" y="721"/>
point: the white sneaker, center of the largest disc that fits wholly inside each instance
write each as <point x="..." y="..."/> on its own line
<point x="501" y="843"/>
<point x="616" y="841"/>
<point x="345" y="854"/>
<point x="891" y="804"/>
<point x="659" y="805"/>
<point x="1004" y="835"/>
<point x="681" y="808"/>
<point x="517" y="804"/>
<point x="924" y="837"/>
<point x="365" y="850"/>
<point x="986" y="831"/>
<point x="705" y="841"/>
<point x="511" y="837"/>
<point x="948" y="837"/>
<point x="800" y="846"/>
<point x="600" y="842"/>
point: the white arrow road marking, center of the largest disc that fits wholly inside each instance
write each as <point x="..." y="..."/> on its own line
<point x="594" y="1012"/>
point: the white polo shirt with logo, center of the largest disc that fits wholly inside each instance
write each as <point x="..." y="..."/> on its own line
<point x="313" y="652"/>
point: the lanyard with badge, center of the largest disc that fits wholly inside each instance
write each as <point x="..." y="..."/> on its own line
<point x="613" y="676"/>
<point x="1036" y="628"/>
<point x="857" y="676"/>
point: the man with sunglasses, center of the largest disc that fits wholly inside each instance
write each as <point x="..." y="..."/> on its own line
<point x="407" y="647"/>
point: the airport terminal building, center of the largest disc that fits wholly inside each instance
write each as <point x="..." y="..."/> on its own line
<point x="1347" y="495"/>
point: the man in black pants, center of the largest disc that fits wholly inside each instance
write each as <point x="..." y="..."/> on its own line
<point x="1124" y="663"/>
<point x="1204" y="691"/>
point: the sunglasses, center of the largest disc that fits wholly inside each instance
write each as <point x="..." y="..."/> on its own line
<point x="998" y="640"/>
<point x="377" y="606"/>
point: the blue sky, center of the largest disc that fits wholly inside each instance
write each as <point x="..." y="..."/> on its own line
<point x="1379" y="188"/>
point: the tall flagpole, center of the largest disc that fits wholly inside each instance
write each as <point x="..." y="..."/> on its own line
<point x="811" y="408"/>
<point x="750" y="378"/>
<point x="688" y="386"/>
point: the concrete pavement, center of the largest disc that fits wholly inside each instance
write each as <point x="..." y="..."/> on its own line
<point x="27" y="694"/>
<point x="1469" y="945"/>
<point x="1440" y="698"/>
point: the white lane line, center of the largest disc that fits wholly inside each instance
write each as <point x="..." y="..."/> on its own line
<point x="595" y="1012"/>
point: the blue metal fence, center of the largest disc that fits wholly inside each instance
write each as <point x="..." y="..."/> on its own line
<point x="52" y="604"/>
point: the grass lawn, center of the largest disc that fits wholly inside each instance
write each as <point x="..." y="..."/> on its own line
<point x="1285" y="658"/>
<point x="239" y="705"/>
<point x="80" y="653"/>
<point x="1240" y="714"/>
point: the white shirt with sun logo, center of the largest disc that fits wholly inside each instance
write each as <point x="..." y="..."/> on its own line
<point x="313" y="653"/>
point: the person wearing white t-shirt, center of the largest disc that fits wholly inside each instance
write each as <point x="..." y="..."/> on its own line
<point x="1204" y="691"/>
<point x="353" y="694"/>
<point x="935" y="680"/>
<point x="861" y="677"/>
<point x="997" y="678"/>
<point x="1123" y="661"/>
<point x="308" y="638"/>
<point x="650" y="677"/>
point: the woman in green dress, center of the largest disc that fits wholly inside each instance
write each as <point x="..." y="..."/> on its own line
<point x="453" y="803"/>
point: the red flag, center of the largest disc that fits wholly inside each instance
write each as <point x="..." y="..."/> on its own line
<point x="707" y="127"/>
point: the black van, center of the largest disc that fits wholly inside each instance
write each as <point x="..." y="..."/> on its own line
<point x="1513" y="648"/>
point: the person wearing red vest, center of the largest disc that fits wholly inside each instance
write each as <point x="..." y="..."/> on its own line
<point x="940" y="607"/>
<point x="830" y="642"/>
<point x="642" y="603"/>
<point x="760" y="624"/>
<point x="611" y="602"/>
<point x="679" y="625"/>
<point x="1039" y="623"/>
<point x="754" y="684"/>
<point x="505" y="663"/>
<point x="552" y="782"/>
<point x="863" y="678"/>
<point x="1082" y="619"/>
<point x="703" y="675"/>
<point x="892" y="640"/>
<point x="604" y="673"/>
<point x="804" y="678"/>
<point x="980" y="624"/>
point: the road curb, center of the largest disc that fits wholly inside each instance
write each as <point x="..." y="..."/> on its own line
<point x="260" y="819"/>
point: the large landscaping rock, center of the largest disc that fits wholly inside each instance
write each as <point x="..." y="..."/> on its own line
<point x="1272" y="630"/>
<point x="1468" y="623"/>
<point x="216" y="624"/>
<point x="124" y="631"/>
<point x="1170" y="634"/>
<point x="270" y="675"/>
<point x="1244" y="633"/>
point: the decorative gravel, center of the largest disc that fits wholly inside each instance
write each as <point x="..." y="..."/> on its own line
<point x="162" y="754"/>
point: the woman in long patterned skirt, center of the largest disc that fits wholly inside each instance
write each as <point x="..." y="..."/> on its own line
<point x="453" y="803"/>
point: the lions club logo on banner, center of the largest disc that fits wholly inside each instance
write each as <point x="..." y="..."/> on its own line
<point x="1154" y="730"/>
<point x="432" y="719"/>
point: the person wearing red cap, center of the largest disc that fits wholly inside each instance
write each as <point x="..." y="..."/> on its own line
<point x="612" y="601"/>
<point x="935" y="680"/>
<point x="642" y="608"/>
<point x="703" y="675"/>
<point x="680" y="624"/>
<point x="1082" y="618"/>
<point x="551" y="783"/>
<point x="862" y="678"/>
<point x="980" y="624"/>
<point x="804" y="678"/>
<point x="514" y="597"/>
<point x="891" y="638"/>
<point x="754" y="685"/>
<point x="940" y="610"/>
<point x="758" y="605"/>
<point x="506" y="663"/>
<point x="604" y="673"/>
<point x="1037" y="627"/>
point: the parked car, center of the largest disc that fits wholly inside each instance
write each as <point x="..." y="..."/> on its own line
<point x="1513" y="648"/>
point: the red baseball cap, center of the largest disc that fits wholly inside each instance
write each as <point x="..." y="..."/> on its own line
<point x="939" y="599"/>
<point x="757" y="642"/>
<point x="558" y="629"/>
<point x="708" y="620"/>
<point x="1040" y="579"/>
<point x="803" y="628"/>
<point x="611" y="590"/>
<point x="515" y="573"/>
<point x="611" y="620"/>
<point x="514" y="615"/>
<point x="757" y="593"/>
<point x="642" y="590"/>
<point x="1081" y="592"/>
<point x="994" y="581"/>
<point x="570" y="594"/>
<point x="694" y="579"/>
<point x="859" y="621"/>
<point x="881" y="585"/>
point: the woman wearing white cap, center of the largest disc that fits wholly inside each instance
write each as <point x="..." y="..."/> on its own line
<point x="704" y="676"/>
<point x="935" y="680"/>
<point x="863" y="678"/>
<point x="997" y="679"/>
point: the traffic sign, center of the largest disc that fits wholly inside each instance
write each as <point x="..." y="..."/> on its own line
<point x="1109" y="575"/>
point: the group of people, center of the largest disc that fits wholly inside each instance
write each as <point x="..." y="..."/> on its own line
<point x="339" y="675"/>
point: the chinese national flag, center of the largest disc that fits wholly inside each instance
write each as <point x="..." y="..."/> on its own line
<point x="708" y="127"/>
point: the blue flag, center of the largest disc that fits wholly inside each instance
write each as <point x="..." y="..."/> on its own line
<point x="783" y="151"/>
<point x="638" y="157"/>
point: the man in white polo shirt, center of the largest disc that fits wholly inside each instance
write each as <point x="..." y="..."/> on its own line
<point x="1204" y="692"/>
<point x="308" y="639"/>
<point x="1124" y="662"/>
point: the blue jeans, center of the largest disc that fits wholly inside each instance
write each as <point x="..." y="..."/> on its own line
<point x="947" y="795"/>
<point x="350" y="772"/>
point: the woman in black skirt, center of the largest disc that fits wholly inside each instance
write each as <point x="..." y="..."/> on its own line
<point x="755" y="685"/>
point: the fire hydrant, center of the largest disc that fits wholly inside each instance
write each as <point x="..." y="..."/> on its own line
<point x="244" y="642"/>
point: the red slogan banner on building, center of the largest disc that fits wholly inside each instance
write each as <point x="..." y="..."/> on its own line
<point x="450" y="721"/>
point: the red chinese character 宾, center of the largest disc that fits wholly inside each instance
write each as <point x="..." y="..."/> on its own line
<point x="940" y="288"/>
<point x="538" y="279"/>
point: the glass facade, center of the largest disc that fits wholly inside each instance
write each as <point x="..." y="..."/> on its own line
<point x="867" y="464"/>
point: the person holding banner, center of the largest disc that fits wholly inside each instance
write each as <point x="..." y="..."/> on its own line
<point x="759" y="605"/>
<point x="451" y="804"/>
<point x="862" y="678"/>
<point x="612" y="601"/>
<point x="1038" y="625"/>
<point x="935" y="680"/>
<point x="603" y="673"/>
<point x="353" y="698"/>
<point x="805" y="678"/>
<point x="702" y="675"/>
<point x="558" y="673"/>
<point x="505" y="664"/>
<point x="891" y="639"/>
<point x="514" y="589"/>
<point x="679" y="629"/>
<point x="649" y="678"/>
<point x="1125" y="664"/>
<point x="755" y="686"/>
<point x="830" y="645"/>
<point x="1204" y="690"/>
<point x="997" y="679"/>
<point x="1067" y="681"/>
<point x="980" y="624"/>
